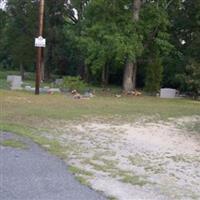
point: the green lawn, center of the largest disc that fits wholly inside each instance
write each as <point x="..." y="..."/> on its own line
<point x="27" y="109"/>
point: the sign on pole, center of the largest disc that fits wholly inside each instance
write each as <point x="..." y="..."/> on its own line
<point x="40" y="42"/>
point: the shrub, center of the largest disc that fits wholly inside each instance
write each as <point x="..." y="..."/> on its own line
<point x="154" y="77"/>
<point x="190" y="80"/>
<point x="73" y="83"/>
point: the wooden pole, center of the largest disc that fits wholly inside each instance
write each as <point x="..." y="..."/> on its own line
<point x="39" y="49"/>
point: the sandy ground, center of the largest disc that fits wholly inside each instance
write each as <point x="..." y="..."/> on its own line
<point x="132" y="161"/>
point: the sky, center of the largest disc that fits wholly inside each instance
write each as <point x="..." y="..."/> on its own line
<point x="2" y="4"/>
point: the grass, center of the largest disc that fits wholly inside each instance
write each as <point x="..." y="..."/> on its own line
<point x="13" y="143"/>
<point x="82" y="180"/>
<point x="30" y="76"/>
<point x="30" y="110"/>
<point x="5" y="73"/>
<point x="139" y="161"/>
<point x="80" y="175"/>
<point x="185" y="158"/>
<point x="50" y="145"/>
<point x="112" y="198"/>
<point x="77" y="171"/>
<point x="4" y="84"/>
<point x="194" y="126"/>
<point x="27" y="115"/>
<point x="133" y="179"/>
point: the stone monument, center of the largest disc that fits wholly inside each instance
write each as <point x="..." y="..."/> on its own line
<point x="15" y="82"/>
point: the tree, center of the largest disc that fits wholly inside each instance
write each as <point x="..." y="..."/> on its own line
<point x="21" y="31"/>
<point x="105" y="41"/>
<point x="185" y="35"/>
<point x="150" y="19"/>
<point x="55" y="52"/>
<point x="129" y="79"/>
<point x="154" y="76"/>
<point x="191" y="48"/>
<point x="3" y="50"/>
<point x="108" y="39"/>
<point x="74" y="29"/>
<point x="192" y="79"/>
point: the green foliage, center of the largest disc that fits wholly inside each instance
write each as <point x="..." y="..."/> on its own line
<point x="96" y="37"/>
<point x="4" y="57"/>
<point x="154" y="76"/>
<point x="73" y="83"/>
<point x="56" y="50"/>
<point x="185" y="35"/>
<point x="193" y="78"/>
<point x="21" y="29"/>
<point x="28" y="75"/>
<point x="107" y="39"/>
<point x="190" y="80"/>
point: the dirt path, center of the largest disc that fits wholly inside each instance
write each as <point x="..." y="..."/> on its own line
<point x="135" y="161"/>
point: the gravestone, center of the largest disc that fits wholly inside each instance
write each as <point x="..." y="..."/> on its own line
<point x="15" y="82"/>
<point x="58" y="81"/>
<point x="54" y="90"/>
<point x="167" y="93"/>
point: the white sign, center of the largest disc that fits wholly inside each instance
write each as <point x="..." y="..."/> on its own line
<point x="40" y="42"/>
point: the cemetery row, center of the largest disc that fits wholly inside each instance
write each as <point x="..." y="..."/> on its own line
<point x="16" y="84"/>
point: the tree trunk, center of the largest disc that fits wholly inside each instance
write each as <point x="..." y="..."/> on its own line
<point x="136" y="10"/>
<point x="86" y="74"/>
<point x="105" y="76"/>
<point x="134" y="74"/>
<point x="47" y="75"/>
<point x="42" y="67"/>
<point x="47" y="68"/>
<point x="80" y="66"/>
<point x="129" y="79"/>
<point x="22" y="71"/>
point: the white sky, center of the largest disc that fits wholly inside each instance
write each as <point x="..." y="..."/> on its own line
<point x="2" y="4"/>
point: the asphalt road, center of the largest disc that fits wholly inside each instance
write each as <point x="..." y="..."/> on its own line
<point x="34" y="174"/>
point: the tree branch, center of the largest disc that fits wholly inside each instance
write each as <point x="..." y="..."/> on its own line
<point x="168" y="4"/>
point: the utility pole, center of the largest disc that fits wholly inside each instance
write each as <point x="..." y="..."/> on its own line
<point x="39" y="49"/>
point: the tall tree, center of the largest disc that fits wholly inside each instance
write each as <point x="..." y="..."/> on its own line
<point x="151" y="22"/>
<point x="55" y="49"/>
<point x="75" y="10"/>
<point x="21" y="32"/>
<point x="3" y="49"/>
<point x="186" y="38"/>
<point x="129" y="79"/>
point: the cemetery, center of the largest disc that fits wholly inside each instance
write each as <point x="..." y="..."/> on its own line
<point x="99" y="100"/>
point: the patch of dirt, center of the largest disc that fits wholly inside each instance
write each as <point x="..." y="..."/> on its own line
<point x="135" y="160"/>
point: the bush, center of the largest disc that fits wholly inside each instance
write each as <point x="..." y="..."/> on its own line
<point x="154" y="77"/>
<point x="73" y="83"/>
<point x="4" y="73"/>
<point x="190" y="80"/>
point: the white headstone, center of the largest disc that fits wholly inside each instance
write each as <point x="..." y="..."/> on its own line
<point x="54" y="90"/>
<point x="15" y="82"/>
<point x="167" y="93"/>
<point x="59" y="81"/>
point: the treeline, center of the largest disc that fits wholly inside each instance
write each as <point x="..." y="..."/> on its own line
<point x="133" y="43"/>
